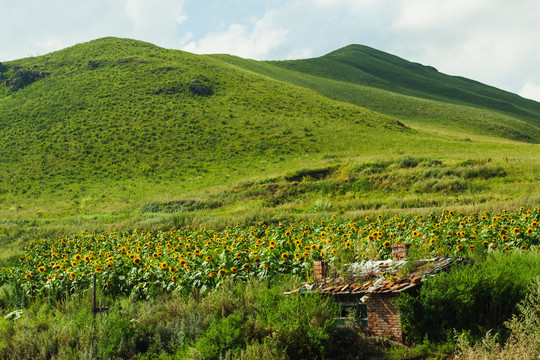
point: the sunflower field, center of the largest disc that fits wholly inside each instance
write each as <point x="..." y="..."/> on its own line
<point x="143" y="263"/>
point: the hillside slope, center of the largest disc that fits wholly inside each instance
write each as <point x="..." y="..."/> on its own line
<point x="118" y="109"/>
<point x="117" y="132"/>
<point x="409" y="91"/>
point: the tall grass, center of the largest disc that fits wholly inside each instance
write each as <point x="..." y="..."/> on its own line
<point x="234" y="321"/>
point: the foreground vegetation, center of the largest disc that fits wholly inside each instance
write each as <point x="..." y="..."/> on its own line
<point x="202" y="293"/>
<point x="235" y="321"/>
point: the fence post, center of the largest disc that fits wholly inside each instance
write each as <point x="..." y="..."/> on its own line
<point x="94" y="297"/>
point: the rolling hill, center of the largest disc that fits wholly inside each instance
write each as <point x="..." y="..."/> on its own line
<point x="118" y="132"/>
<point x="409" y="91"/>
<point x="117" y="109"/>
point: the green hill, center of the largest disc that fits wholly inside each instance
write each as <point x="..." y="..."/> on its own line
<point x="409" y="91"/>
<point x="118" y="132"/>
<point x="117" y="109"/>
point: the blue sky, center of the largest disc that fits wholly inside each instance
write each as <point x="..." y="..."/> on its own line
<point x="492" y="41"/>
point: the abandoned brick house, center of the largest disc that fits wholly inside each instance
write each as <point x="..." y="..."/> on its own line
<point x="373" y="286"/>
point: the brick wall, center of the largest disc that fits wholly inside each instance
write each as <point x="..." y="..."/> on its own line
<point x="400" y="251"/>
<point x="383" y="317"/>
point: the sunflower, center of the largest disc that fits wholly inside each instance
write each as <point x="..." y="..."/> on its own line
<point x="534" y="224"/>
<point x="459" y="247"/>
<point x="485" y="243"/>
<point x="208" y="258"/>
<point x="72" y="275"/>
<point x="507" y="248"/>
<point x="222" y="272"/>
<point x="297" y="255"/>
<point x="41" y="269"/>
<point x="49" y="278"/>
<point x="137" y="260"/>
<point x="174" y="278"/>
<point x="516" y="230"/>
<point x="172" y="269"/>
<point x="257" y="260"/>
<point x="245" y="267"/>
<point x="73" y="264"/>
<point x="98" y="270"/>
<point x="109" y="265"/>
<point x="284" y="256"/>
<point x="27" y="276"/>
<point x="471" y="247"/>
<point x="155" y="255"/>
<point x="386" y="244"/>
<point x="77" y="257"/>
<point x="163" y="266"/>
<point x="523" y="247"/>
<point x="529" y="231"/>
<point x="432" y="241"/>
<point x="234" y="269"/>
<point x="265" y="265"/>
<point x="182" y="262"/>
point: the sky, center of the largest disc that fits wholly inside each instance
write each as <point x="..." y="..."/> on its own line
<point x="496" y="42"/>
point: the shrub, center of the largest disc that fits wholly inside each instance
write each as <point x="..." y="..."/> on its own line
<point x="475" y="298"/>
<point x="524" y="342"/>
<point x="301" y="324"/>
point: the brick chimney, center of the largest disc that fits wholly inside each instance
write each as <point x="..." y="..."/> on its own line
<point x="399" y="251"/>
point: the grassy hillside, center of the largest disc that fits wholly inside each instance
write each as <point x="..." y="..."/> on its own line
<point x="417" y="95"/>
<point x="364" y="65"/>
<point x="118" y="109"/>
<point x="117" y="132"/>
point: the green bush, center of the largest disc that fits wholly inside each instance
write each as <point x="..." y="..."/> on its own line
<point x="301" y="324"/>
<point x="474" y="298"/>
<point x="222" y="335"/>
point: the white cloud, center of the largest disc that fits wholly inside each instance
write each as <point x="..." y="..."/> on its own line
<point x="254" y="40"/>
<point x="431" y="14"/>
<point x="155" y="21"/>
<point x="352" y="4"/>
<point x="492" y="41"/>
<point x="36" y="26"/>
<point x="530" y="91"/>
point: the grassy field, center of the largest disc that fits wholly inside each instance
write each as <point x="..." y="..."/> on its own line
<point x="117" y="132"/>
